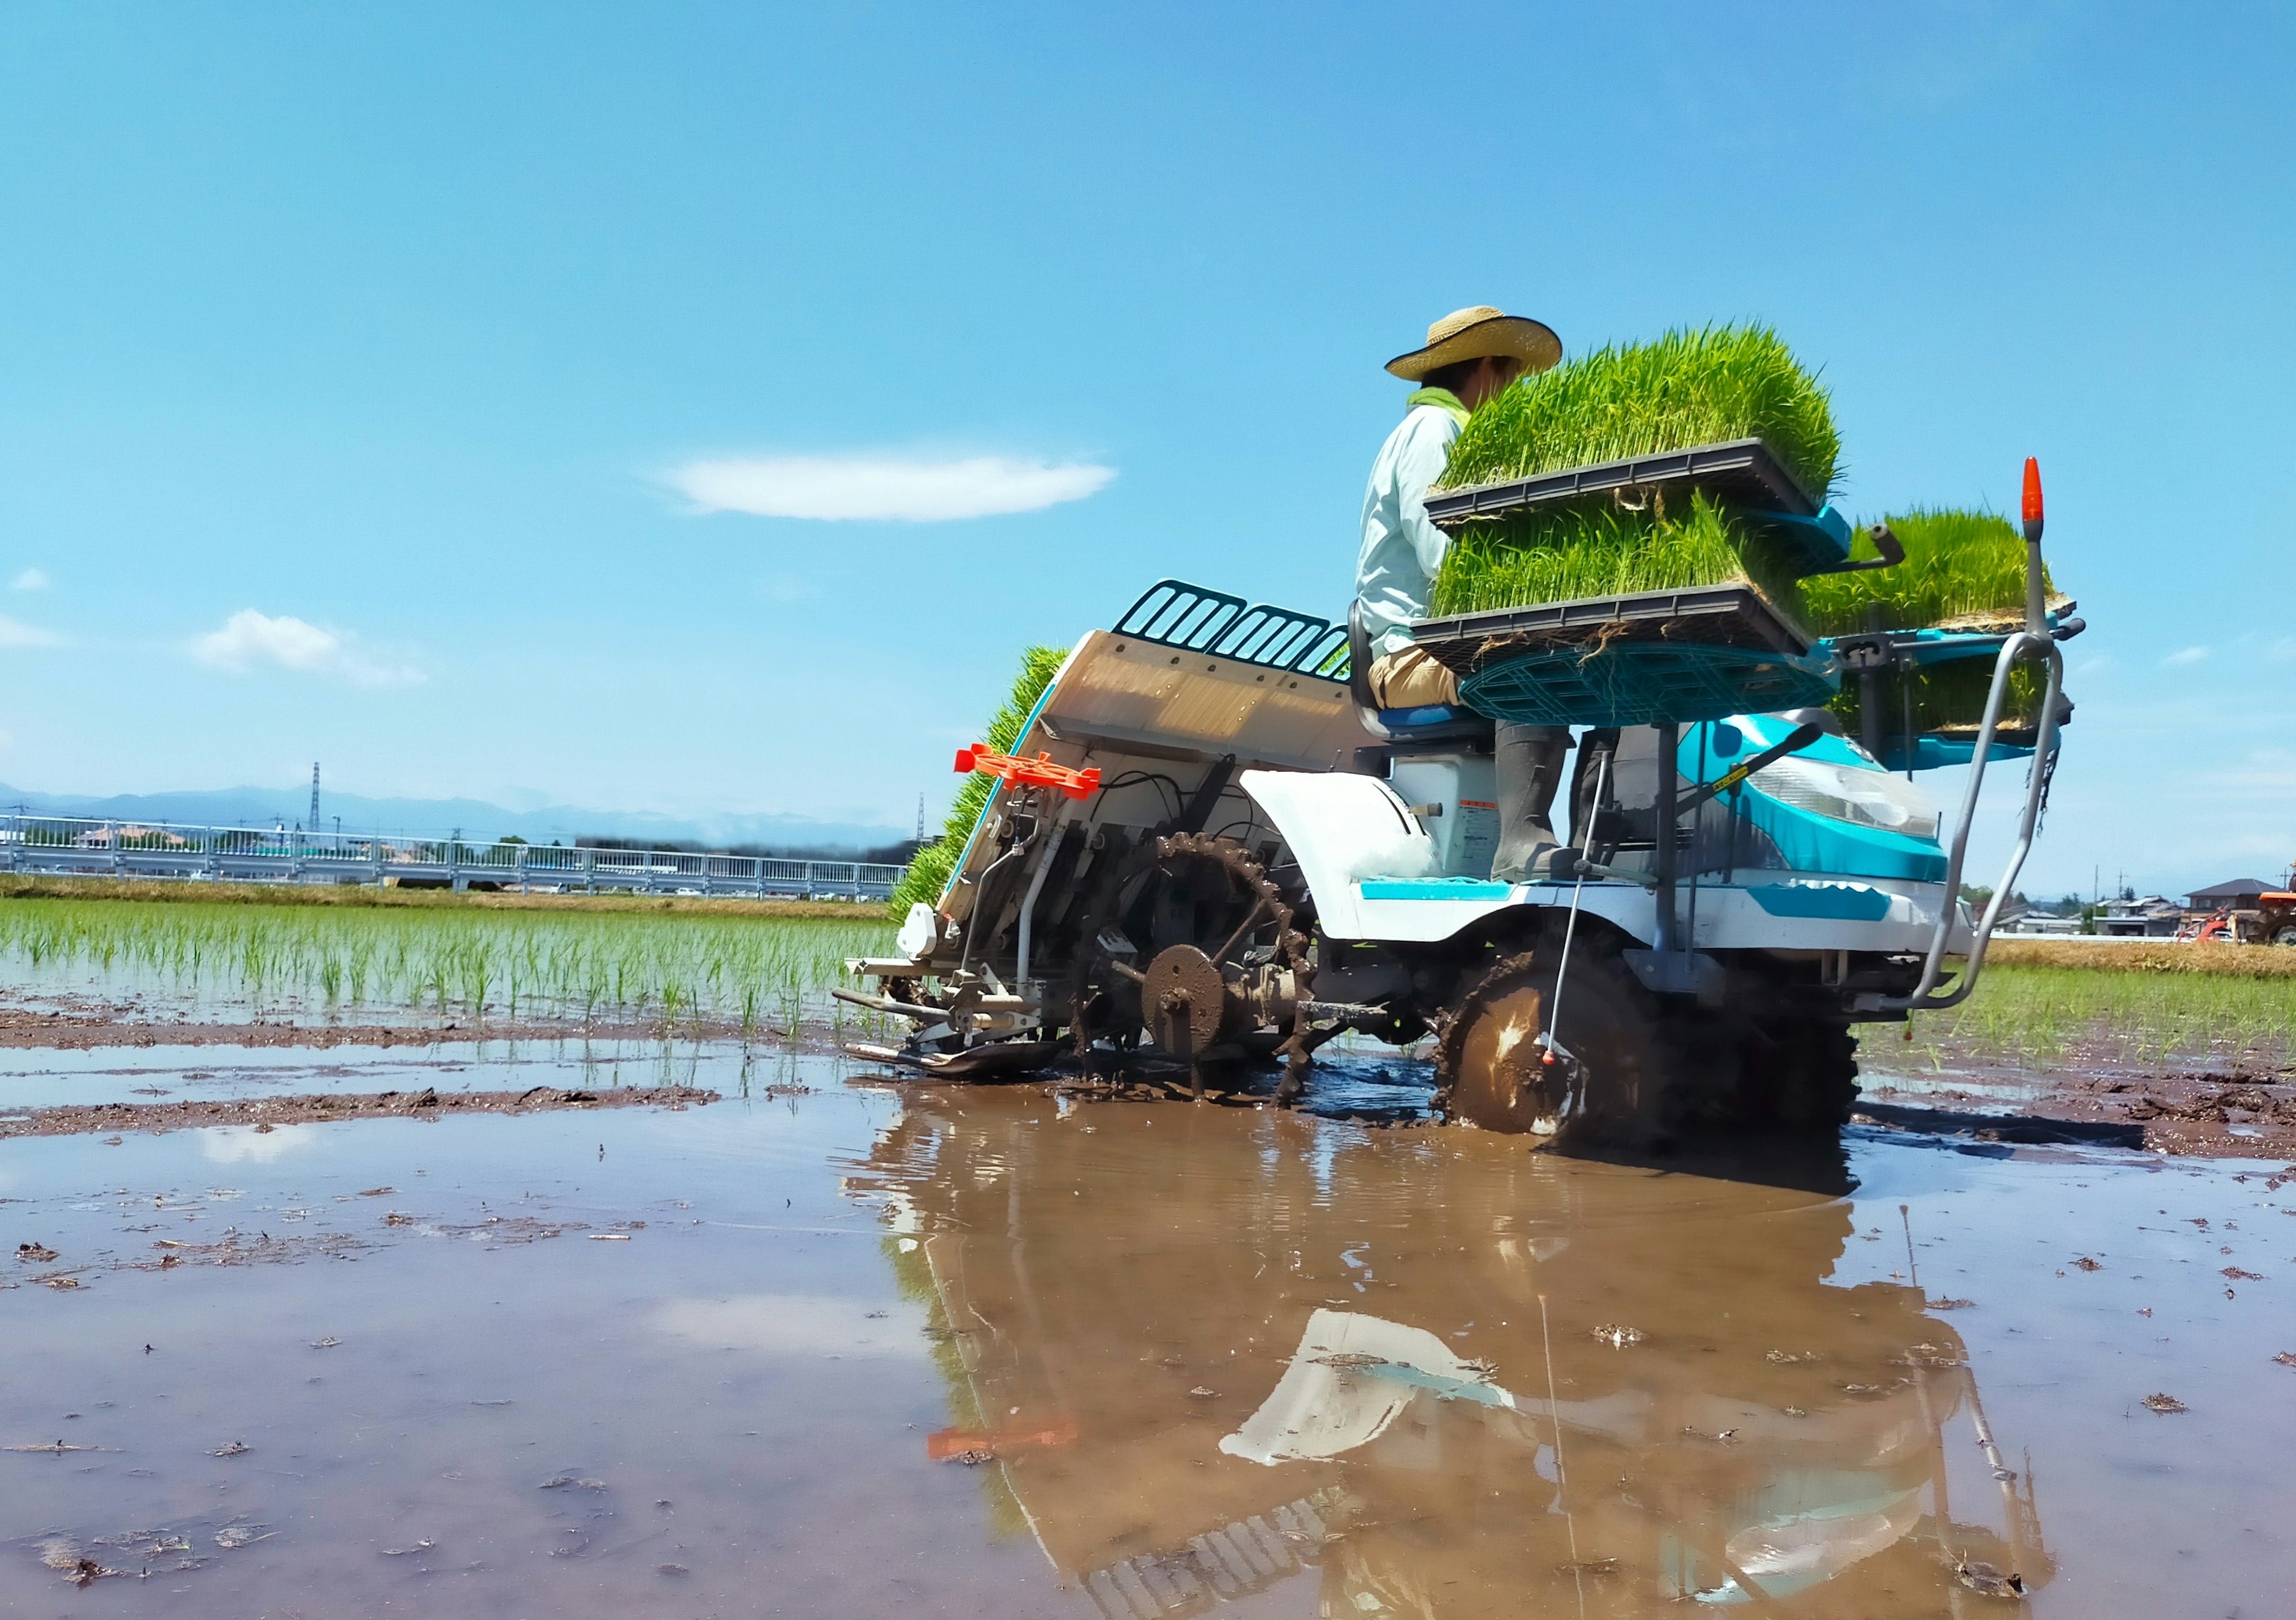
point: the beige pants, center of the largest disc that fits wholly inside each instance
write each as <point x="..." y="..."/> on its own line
<point x="1411" y="679"/>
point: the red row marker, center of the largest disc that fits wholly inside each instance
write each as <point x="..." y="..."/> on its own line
<point x="952" y="1443"/>
<point x="1037" y="772"/>
<point x="2032" y="498"/>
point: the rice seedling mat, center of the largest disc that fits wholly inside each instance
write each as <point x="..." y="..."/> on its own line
<point x="1741" y="471"/>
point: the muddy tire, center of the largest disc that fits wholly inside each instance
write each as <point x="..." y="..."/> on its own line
<point x="1801" y="1078"/>
<point x="1490" y="1060"/>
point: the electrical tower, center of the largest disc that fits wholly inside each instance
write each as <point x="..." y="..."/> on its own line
<point x="314" y="823"/>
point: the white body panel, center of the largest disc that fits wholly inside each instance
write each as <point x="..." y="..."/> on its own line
<point x="1464" y="787"/>
<point x="1729" y="917"/>
<point x="1375" y="874"/>
<point x="1343" y="829"/>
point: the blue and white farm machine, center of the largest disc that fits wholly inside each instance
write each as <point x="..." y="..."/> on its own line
<point x="1210" y="850"/>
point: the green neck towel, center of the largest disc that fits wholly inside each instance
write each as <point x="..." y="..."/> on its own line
<point x="1442" y="399"/>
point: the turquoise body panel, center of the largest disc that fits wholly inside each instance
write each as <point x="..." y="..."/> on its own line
<point x="1434" y="888"/>
<point x="1809" y="842"/>
<point x="1844" y="902"/>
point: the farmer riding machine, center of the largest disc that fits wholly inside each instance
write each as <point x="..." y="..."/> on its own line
<point x="1209" y="849"/>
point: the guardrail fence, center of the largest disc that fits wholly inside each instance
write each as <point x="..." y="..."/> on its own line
<point x="66" y="846"/>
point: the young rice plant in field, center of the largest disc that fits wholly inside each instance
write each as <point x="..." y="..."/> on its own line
<point x="485" y="963"/>
<point x="2040" y="1016"/>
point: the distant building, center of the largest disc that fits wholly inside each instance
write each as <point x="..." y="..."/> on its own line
<point x="2154" y="917"/>
<point x="2239" y="895"/>
<point x="2042" y="922"/>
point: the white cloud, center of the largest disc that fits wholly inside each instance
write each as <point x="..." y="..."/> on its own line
<point x="2186" y="655"/>
<point x="32" y="580"/>
<point x="795" y="1324"/>
<point x="14" y="632"/>
<point x="887" y="487"/>
<point x="244" y="1144"/>
<point x="250" y="638"/>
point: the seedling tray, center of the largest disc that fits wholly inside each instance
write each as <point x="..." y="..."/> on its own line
<point x="1714" y="616"/>
<point x="1740" y="471"/>
<point x="1654" y="656"/>
<point x="1645" y="684"/>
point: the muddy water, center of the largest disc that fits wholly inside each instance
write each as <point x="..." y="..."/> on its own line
<point x="847" y="1349"/>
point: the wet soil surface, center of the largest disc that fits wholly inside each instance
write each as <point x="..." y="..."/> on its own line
<point x="268" y="1113"/>
<point x="2232" y="1112"/>
<point x="846" y="1345"/>
<point x="79" y="1023"/>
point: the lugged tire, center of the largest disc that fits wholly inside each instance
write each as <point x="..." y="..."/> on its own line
<point x="1801" y="1077"/>
<point x="1489" y="1071"/>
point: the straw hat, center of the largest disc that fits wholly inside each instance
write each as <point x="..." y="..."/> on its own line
<point x="1473" y="334"/>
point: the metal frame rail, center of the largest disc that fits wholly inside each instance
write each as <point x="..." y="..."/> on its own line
<point x="72" y="846"/>
<point x="2035" y="640"/>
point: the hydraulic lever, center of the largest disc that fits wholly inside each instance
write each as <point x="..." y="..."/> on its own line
<point x="1796" y="741"/>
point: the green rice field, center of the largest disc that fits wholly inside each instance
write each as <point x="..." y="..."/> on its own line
<point x="750" y="971"/>
<point x="2041" y="1016"/>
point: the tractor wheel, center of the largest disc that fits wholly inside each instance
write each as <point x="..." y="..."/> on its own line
<point x="1800" y="1077"/>
<point x="2286" y="937"/>
<point x="1609" y="1082"/>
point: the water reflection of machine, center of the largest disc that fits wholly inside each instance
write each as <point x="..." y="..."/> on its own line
<point x="1191" y="1367"/>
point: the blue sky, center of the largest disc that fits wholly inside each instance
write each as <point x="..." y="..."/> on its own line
<point x="367" y="373"/>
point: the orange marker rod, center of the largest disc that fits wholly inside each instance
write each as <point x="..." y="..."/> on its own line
<point x="1037" y="772"/>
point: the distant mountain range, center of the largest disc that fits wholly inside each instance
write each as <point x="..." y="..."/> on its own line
<point x="475" y="819"/>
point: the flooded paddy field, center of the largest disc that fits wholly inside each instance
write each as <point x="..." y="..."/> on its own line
<point x="832" y="1344"/>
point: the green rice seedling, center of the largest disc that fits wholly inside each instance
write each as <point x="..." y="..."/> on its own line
<point x="930" y="870"/>
<point x="482" y="962"/>
<point x="2035" y="1016"/>
<point x="1688" y="388"/>
<point x="1962" y="569"/>
<point x="1567" y="555"/>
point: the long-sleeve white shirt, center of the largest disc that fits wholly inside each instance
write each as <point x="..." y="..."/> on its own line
<point x="1401" y="551"/>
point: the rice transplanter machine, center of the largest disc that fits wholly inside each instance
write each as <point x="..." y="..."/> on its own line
<point x="1209" y="849"/>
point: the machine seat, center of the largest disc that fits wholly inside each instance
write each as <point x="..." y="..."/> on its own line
<point x="1435" y="725"/>
<point x="1395" y="721"/>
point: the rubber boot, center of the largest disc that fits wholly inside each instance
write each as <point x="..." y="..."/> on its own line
<point x="1529" y="760"/>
